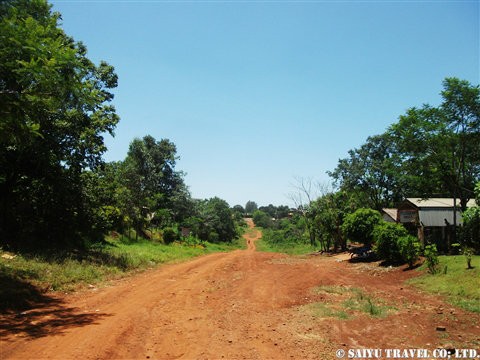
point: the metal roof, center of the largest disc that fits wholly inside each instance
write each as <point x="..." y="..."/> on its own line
<point x="438" y="202"/>
<point x="435" y="211"/>
<point x="391" y="213"/>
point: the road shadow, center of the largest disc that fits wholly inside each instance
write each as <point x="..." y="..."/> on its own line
<point x="27" y="311"/>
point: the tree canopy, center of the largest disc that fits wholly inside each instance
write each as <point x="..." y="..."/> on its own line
<point x="54" y="110"/>
<point x="431" y="151"/>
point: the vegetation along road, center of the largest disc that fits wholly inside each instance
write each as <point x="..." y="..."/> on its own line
<point x="241" y="305"/>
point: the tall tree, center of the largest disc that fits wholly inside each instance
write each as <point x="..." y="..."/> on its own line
<point x="250" y="207"/>
<point x="213" y="221"/>
<point x="461" y="109"/>
<point x="150" y="176"/>
<point x="330" y="211"/>
<point x="54" y="112"/>
<point x="430" y="151"/>
<point x="439" y="145"/>
<point x="373" y="169"/>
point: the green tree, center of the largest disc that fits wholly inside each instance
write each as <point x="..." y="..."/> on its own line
<point x="439" y="145"/>
<point x="149" y="174"/>
<point x="331" y="210"/>
<point x="386" y="238"/>
<point x="282" y="212"/>
<point x="461" y="111"/>
<point x="359" y="226"/>
<point x="54" y="112"/>
<point x="471" y="225"/>
<point x="238" y="213"/>
<point x="262" y="219"/>
<point x="372" y="169"/>
<point x="430" y="151"/>
<point x="409" y="247"/>
<point x="250" y="207"/>
<point x="239" y="208"/>
<point x="431" y="257"/>
<point x="216" y="221"/>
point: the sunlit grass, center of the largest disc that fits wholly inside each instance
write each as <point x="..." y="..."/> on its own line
<point x="460" y="286"/>
<point x="67" y="271"/>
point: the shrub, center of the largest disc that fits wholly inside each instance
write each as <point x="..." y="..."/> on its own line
<point x="262" y="219"/>
<point x="385" y="236"/>
<point x="431" y="256"/>
<point x="468" y="252"/>
<point x="359" y="225"/>
<point x="409" y="247"/>
<point x="169" y="235"/>
<point x="471" y="228"/>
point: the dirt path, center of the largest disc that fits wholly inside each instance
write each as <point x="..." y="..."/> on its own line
<point x="239" y="305"/>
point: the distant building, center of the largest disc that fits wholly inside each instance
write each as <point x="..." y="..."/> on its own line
<point x="432" y="220"/>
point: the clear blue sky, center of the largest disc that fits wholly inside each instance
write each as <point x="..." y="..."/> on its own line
<point x="254" y="93"/>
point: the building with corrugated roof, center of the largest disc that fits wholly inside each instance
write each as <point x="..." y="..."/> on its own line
<point x="433" y="220"/>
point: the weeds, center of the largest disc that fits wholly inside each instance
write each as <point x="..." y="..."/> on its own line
<point x="67" y="271"/>
<point x="346" y="302"/>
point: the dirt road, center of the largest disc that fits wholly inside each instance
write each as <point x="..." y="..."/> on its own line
<point x="239" y="305"/>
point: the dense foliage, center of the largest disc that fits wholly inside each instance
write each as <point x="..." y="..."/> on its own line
<point x="54" y="109"/>
<point x="360" y="225"/>
<point x="410" y="249"/>
<point x="386" y="238"/>
<point x="471" y="225"/>
<point x="262" y="219"/>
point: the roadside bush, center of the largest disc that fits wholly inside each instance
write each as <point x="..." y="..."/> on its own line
<point x="169" y="235"/>
<point x="470" y="232"/>
<point x="359" y="225"/>
<point x="409" y="247"/>
<point x="262" y="219"/>
<point x="431" y="256"/>
<point x="385" y="237"/>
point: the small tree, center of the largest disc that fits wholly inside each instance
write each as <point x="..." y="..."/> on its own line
<point x="409" y="247"/>
<point x="468" y="252"/>
<point x="262" y="219"/>
<point x="386" y="237"/>
<point x="359" y="226"/>
<point x="471" y="228"/>
<point x="431" y="255"/>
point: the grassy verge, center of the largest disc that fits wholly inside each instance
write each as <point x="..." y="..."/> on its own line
<point x="28" y="275"/>
<point x="460" y="286"/>
<point x="288" y="248"/>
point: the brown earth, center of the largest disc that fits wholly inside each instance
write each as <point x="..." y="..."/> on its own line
<point x="239" y="305"/>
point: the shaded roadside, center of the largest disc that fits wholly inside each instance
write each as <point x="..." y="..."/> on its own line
<point x="27" y="311"/>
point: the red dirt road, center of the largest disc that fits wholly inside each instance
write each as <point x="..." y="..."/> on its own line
<point x="239" y="305"/>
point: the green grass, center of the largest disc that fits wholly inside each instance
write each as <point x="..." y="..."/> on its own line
<point x="29" y="275"/>
<point x="275" y="241"/>
<point x="286" y="248"/>
<point x="460" y="286"/>
<point x="346" y="302"/>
